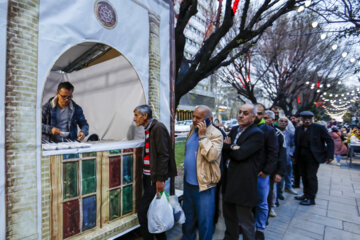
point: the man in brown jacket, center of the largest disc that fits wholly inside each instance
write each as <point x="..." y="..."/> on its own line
<point x="202" y="173"/>
<point x="158" y="163"/>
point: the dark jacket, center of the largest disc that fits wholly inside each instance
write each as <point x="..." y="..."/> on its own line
<point x="241" y="175"/>
<point x="280" y="167"/>
<point x="49" y="120"/>
<point x="162" y="162"/>
<point x="269" y="155"/>
<point x="321" y="144"/>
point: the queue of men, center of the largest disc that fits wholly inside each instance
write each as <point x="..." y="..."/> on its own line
<point x="252" y="165"/>
<point x="256" y="162"/>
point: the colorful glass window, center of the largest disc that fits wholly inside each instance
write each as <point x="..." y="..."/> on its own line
<point x="70" y="180"/>
<point x="88" y="176"/>
<point x="115" y="171"/>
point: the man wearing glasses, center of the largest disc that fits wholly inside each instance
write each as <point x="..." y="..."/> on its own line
<point x="61" y="116"/>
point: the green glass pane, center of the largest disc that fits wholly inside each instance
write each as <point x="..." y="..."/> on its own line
<point x="88" y="176"/>
<point x="118" y="151"/>
<point x="127" y="200"/>
<point x="114" y="204"/>
<point x="70" y="180"/>
<point x="89" y="154"/>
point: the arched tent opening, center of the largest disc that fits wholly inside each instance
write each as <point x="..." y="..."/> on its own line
<point x="106" y="87"/>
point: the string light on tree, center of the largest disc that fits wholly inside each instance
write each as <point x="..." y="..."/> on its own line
<point x="307" y="3"/>
<point x="323" y="36"/>
<point x="314" y="24"/>
<point x="344" y="54"/>
<point x="334" y="47"/>
<point x="301" y="8"/>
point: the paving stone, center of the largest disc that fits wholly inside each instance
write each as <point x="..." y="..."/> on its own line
<point x="342" y="207"/>
<point x="302" y="234"/>
<point x="336" y="234"/>
<point x="342" y="199"/>
<point x="352" y="227"/>
<point x="312" y="209"/>
<point x="332" y="222"/>
<point x="308" y="226"/>
<point x="270" y="235"/>
<point x="343" y="216"/>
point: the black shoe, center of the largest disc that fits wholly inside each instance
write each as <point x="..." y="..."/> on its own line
<point x="296" y="185"/>
<point x="300" y="198"/>
<point x="281" y="197"/>
<point x="259" y="235"/>
<point x="307" y="202"/>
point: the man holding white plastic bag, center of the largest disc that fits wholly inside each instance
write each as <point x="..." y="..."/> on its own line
<point x="202" y="172"/>
<point x="158" y="164"/>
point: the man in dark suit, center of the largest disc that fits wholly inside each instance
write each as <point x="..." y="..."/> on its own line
<point x="241" y="152"/>
<point x="310" y="151"/>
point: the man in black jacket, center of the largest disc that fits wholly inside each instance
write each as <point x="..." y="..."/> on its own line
<point x="158" y="163"/>
<point x="241" y="151"/>
<point x="310" y="151"/>
<point x="267" y="162"/>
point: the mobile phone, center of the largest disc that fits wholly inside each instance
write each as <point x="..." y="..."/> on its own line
<point x="207" y="121"/>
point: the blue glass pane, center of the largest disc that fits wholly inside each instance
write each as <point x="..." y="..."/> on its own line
<point x="70" y="156"/>
<point x="89" y="212"/>
<point x="127" y="169"/>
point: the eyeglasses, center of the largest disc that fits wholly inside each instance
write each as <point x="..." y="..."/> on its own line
<point x="66" y="97"/>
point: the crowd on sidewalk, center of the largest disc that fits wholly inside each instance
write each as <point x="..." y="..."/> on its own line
<point x="251" y="167"/>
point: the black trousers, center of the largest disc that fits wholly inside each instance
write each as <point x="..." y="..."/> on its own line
<point x="237" y="216"/>
<point x="149" y="194"/>
<point x="308" y="170"/>
<point x="296" y="173"/>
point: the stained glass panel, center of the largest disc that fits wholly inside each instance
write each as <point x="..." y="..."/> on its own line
<point x="114" y="204"/>
<point x="89" y="212"/>
<point x="88" y="176"/>
<point x="127" y="200"/>
<point x="70" y="180"/>
<point x="70" y="156"/>
<point x="89" y="154"/>
<point x="128" y="150"/>
<point x="71" y="218"/>
<point x="114" y="171"/>
<point x="127" y="169"/>
<point x="118" y="151"/>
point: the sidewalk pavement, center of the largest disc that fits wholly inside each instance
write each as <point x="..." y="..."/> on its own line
<point x="336" y="214"/>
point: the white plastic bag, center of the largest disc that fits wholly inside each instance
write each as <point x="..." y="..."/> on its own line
<point x="179" y="214"/>
<point x="160" y="215"/>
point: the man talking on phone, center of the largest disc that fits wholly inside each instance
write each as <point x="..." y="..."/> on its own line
<point x="202" y="172"/>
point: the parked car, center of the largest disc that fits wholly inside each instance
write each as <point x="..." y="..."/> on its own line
<point x="228" y="125"/>
<point x="182" y="127"/>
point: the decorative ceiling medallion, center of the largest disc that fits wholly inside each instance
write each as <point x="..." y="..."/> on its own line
<point x="105" y="14"/>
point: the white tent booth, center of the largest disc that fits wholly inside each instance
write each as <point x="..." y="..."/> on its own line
<point x="118" y="55"/>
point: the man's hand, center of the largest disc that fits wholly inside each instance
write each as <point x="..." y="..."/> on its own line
<point x="159" y="186"/>
<point x="277" y="178"/>
<point x="227" y="140"/>
<point x="81" y="136"/>
<point x="329" y="160"/>
<point x="55" y="131"/>
<point x="262" y="174"/>
<point x="202" y="129"/>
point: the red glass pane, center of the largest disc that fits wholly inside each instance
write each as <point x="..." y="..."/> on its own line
<point x="114" y="171"/>
<point x="71" y="218"/>
<point x="128" y="150"/>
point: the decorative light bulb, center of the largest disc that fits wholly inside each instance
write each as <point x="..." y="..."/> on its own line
<point x="318" y="90"/>
<point x="314" y="24"/>
<point x="307" y="83"/>
<point x="352" y="60"/>
<point x="334" y="47"/>
<point x="323" y="36"/>
<point x="344" y="54"/>
<point x="328" y="85"/>
<point x="339" y="82"/>
<point x="307" y="3"/>
<point x="301" y="8"/>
